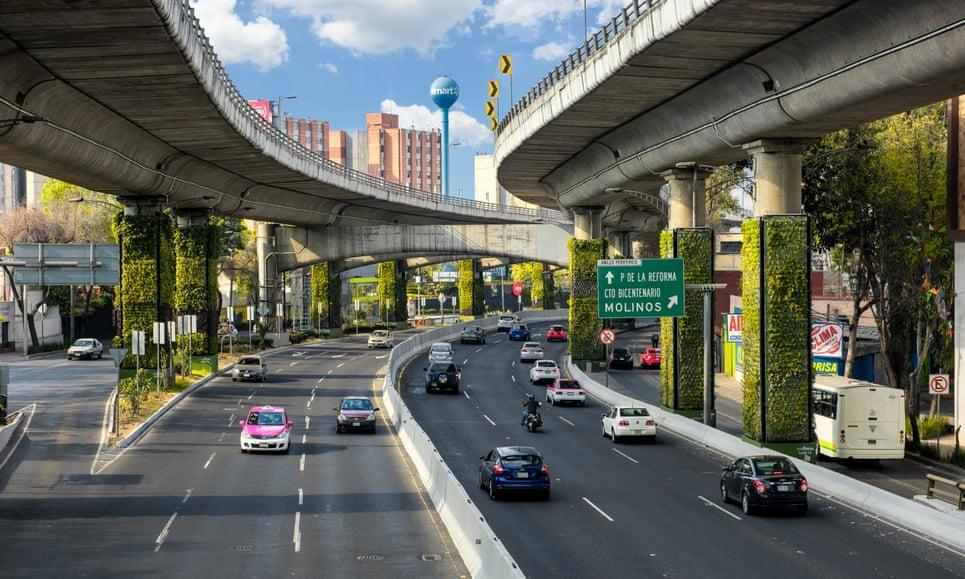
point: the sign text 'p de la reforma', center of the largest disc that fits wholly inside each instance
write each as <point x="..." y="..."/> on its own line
<point x="639" y="288"/>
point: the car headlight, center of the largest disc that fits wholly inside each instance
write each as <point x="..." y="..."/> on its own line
<point x="245" y="435"/>
<point x="370" y="418"/>
<point x="284" y="434"/>
<point x="342" y="418"/>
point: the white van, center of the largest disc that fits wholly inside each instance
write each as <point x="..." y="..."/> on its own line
<point x="856" y="419"/>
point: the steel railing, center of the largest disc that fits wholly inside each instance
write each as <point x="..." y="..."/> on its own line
<point x="295" y="149"/>
<point x="593" y="45"/>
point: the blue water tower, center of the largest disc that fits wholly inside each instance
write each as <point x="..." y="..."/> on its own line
<point x="444" y="92"/>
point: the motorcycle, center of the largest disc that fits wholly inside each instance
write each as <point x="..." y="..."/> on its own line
<point x="533" y="421"/>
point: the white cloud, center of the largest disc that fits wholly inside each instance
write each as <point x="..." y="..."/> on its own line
<point x="552" y="51"/>
<point x="259" y="42"/>
<point x="537" y="13"/>
<point x="463" y="128"/>
<point x="380" y="27"/>
<point x="329" y="67"/>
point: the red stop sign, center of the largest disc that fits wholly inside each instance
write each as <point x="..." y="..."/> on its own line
<point x="518" y="289"/>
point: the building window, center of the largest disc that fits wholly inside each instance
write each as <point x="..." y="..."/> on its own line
<point x="731" y="247"/>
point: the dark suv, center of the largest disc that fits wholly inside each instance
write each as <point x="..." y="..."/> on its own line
<point x="473" y="334"/>
<point x="442" y="376"/>
<point x="621" y="358"/>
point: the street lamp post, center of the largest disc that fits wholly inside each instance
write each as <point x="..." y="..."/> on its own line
<point x="276" y="118"/>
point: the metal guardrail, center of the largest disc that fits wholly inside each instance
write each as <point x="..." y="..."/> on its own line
<point x="296" y="149"/>
<point x="960" y="485"/>
<point x="594" y="44"/>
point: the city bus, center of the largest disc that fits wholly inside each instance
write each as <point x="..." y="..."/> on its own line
<point x="858" y="420"/>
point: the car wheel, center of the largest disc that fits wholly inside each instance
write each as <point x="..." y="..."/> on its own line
<point x="287" y="449"/>
<point x="338" y="430"/>
<point x="746" y="506"/>
<point x="651" y="439"/>
<point x="484" y="341"/>
<point x="723" y="493"/>
<point x="482" y="483"/>
<point x="234" y="379"/>
<point x="99" y="355"/>
<point x="613" y="436"/>
<point x="802" y="510"/>
<point x="549" y="400"/>
<point x="603" y="432"/>
<point x="546" y="495"/>
<point x="582" y="402"/>
<point x="492" y="491"/>
<point x="243" y="451"/>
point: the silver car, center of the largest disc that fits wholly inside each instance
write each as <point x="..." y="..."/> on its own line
<point x="250" y="368"/>
<point x="380" y="339"/>
<point x="506" y="322"/>
<point x="89" y="348"/>
<point x="440" y="352"/>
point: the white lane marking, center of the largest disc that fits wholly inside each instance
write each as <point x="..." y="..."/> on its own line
<point x="239" y="402"/>
<point x="330" y="371"/>
<point x="321" y="379"/>
<point x="295" y="363"/>
<point x="105" y="432"/>
<point x="340" y="364"/>
<point x="513" y="377"/>
<point x="187" y="496"/>
<point x="313" y="396"/>
<point x="478" y="350"/>
<point x="221" y="437"/>
<point x="489" y="419"/>
<point x="210" y="458"/>
<point x="496" y="341"/>
<point x="297" y="533"/>
<point x="301" y="497"/>
<point x="598" y="509"/>
<point x="728" y="416"/>
<point x="711" y="503"/>
<point x="513" y="364"/>
<point x="308" y="404"/>
<point x="26" y="427"/>
<point x="308" y="419"/>
<point x="281" y="370"/>
<point x="252" y="395"/>
<point x="301" y="464"/>
<point x="164" y="533"/>
<point x="466" y="394"/>
<point x="633" y="460"/>
<point x="382" y="357"/>
<point x="568" y="422"/>
<point x="466" y="361"/>
<point x="338" y="356"/>
<point x="304" y="438"/>
<point x="231" y="419"/>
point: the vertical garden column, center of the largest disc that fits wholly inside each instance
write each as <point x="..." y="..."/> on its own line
<point x="585" y="249"/>
<point x="196" y="250"/>
<point x="392" y="292"/>
<point x="682" y="339"/>
<point x="401" y="296"/>
<point x="776" y="258"/>
<point x="143" y="233"/>
<point x="326" y="290"/>
<point x="549" y="289"/>
<point x="470" y="288"/>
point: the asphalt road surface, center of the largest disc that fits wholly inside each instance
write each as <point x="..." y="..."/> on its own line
<point x="635" y="509"/>
<point x="903" y="477"/>
<point x="184" y="501"/>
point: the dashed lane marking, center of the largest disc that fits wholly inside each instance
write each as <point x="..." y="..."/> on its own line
<point x="711" y="503"/>
<point x="598" y="509"/>
<point x="187" y="496"/>
<point x="490" y="420"/>
<point x="566" y="421"/>
<point x="466" y="394"/>
<point x="631" y="459"/>
<point x="210" y="458"/>
<point x="164" y="533"/>
<point x="297" y="533"/>
<point x="301" y="463"/>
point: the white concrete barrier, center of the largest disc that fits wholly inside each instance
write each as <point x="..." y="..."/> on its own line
<point x="6" y="432"/>
<point x="871" y="500"/>
<point x="481" y="550"/>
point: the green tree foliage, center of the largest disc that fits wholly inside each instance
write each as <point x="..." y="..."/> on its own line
<point x="531" y="274"/>
<point x="84" y="216"/>
<point x="724" y="189"/>
<point x="884" y="203"/>
<point x="470" y="288"/>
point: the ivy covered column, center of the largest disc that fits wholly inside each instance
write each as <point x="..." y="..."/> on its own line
<point x="326" y="295"/>
<point x="146" y="292"/>
<point x="549" y="289"/>
<point x="392" y="291"/>
<point x="682" y="339"/>
<point x="471" y="288"/>
<point x="197" y="249"/>
<point x="584" y="318"/>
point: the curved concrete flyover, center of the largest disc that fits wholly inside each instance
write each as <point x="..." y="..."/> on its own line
<point x="693" y="80"/>
<point x="129" y="98"/>
<point x="411" y="262"/>
<point x="298" y="247"/>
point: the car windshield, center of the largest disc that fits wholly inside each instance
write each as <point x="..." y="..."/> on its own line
<point x="447" y="368"/>
<point x="380" y="333"/>
<point x="472" y="328"/>
<point x="506" y="318"/>
<point x="266" y="418"/>
<point x="556" y="328"/>
<point x="84" y="343"/>
<point x="531" y="345"/>
<point x="653" y="351"/>
<point x="566" y="384"/>
<point x="620" y="351"/>
<point x="441" y="348"/>
<point x="519" y="327"/>
<point x="249" y="362"/>
<point x="520" y="460"/>
<point x="546" y="364"/>
<point x="359" y="404"/>
<point x="631" y="412"/>
<point x="774" y="466"/>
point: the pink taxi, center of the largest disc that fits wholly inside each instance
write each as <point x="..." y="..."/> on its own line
<point x="266" y="428"/>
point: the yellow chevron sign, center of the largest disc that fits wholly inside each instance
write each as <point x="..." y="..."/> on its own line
<point x="490" y="109"/>
<point x="506" y="63"/>
<point x="494" y="89"/>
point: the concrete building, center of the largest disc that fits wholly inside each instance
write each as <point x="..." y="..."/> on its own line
<point x="487" y="187"/>
<point x="309" y="133"/>
<point x="19" y="187"/>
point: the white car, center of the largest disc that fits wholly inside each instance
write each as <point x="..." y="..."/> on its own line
<point x="544" y="370"/>
<point x="506" y="322"/>
<point x="565" y="391"/>
<point x="440" y="352"/>
<point x="380" y="339"/>
<point x="627" y="421"/>
<point x="530" y="352"/>
<point x="89" y="348"/>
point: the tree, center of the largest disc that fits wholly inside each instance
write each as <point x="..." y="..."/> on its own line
<point x="531" y="274"/>
<point x="723" y="188"/>
<point x="239" y="261"/>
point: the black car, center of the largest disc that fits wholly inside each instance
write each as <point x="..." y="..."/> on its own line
<point x="621" y="358"/>
<point x="442" y="376"/>
<point x="764" y="482"/>
<point x="474" y="334"/>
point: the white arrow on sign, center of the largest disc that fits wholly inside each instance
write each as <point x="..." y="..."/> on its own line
<point x="674" y="300"/>
<point x="609" y="277"/>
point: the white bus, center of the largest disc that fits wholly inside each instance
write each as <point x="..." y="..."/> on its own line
<point x="856" y="419"/>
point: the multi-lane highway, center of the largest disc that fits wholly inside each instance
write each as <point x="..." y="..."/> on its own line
<point x="184" y="502"/>
<point x="640" y="510"/>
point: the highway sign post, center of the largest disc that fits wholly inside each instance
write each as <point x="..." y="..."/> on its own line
<point x="607" y="338"/>
<point x="938" y="385"/>
<point x="638" y="288"/>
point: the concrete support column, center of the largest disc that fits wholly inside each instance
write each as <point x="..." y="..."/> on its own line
<point x="619" y="244"/>
<point x="956" y="226"/>
<point x="777" y="175"/>
<point x="688" y="203"/>
<point x="267" y="269"/>
<point x="587" y="222"/>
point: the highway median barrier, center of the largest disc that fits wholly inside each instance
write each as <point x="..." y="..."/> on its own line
<point x="481" y="550"/>
<point x="919" y="519"/>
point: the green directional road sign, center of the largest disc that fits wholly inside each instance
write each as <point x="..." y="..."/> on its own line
<point x="640" y="288"/>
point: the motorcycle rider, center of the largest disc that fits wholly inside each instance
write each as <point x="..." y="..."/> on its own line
<point x="530" y="406"/>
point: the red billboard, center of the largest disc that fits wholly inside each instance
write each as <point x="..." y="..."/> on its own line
<point x="263" y="108"/>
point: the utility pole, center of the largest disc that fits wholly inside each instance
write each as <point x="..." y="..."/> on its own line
<point x="710" y="413"/>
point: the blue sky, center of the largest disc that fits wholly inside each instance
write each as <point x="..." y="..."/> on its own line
<point x="344" y="58"/>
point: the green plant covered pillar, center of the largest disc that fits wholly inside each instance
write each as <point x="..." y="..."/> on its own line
<point x="777" y="349"/>
<point x="197" y="247"/>
<point x="470" y="288"/>
<point x="326" y="297"/>
<point x="682" y="339"/>
<point x="584" y="320"/>
<point x="391" y="291"/>
<point x="549" y="289"/>
<point x="144" y="235"/>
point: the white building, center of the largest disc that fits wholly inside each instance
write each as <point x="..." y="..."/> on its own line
<point x="487" y="187"/>
<point x="19" y="187"/>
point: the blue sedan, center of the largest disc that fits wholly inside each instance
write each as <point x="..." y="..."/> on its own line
<point x="519" y="332"/>
<point x="514" y="468"/>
